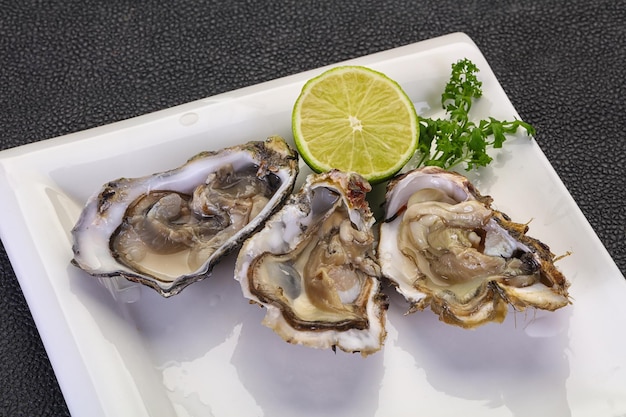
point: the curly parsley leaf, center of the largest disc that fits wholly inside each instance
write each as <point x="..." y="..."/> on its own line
<point x="449" y="142"/>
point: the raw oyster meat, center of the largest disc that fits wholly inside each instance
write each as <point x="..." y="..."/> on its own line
<point x="313" y="267"/>
<point x="169" y="229"/>
<point x="444" y="247"/>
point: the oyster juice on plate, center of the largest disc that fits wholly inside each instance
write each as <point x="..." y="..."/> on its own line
<point x="313" y="267"/>
<point x="444" y="247"/>
<point x="169" y="229"/>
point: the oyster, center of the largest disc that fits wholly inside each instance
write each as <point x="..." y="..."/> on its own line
<point x="169" y="229"/>
<point x="313" y="267"/>
<point x="443" y="246"/>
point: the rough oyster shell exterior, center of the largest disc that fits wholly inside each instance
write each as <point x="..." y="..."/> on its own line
<point x="444" y="247"/>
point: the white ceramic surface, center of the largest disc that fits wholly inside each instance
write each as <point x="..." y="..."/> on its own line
<point x="205" y="353"/>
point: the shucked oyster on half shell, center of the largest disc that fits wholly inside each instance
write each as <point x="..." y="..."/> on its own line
<point x="444" y="247"/>
<point x="169" y="229"/>
<point x="313" y="267"/>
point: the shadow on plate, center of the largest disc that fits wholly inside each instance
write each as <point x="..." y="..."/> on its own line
<point x="520" y="364"/>
<point x="290" y="380"/>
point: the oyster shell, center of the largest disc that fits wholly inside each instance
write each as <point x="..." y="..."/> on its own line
<point x="169" y="229"/>
<point x="444" y="247"/>
<point x="313" y="267"/>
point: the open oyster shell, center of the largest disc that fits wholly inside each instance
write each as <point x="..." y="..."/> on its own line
<point x="444" y="247"/>
<point x="313" y="267"/>
<point x="169" y="229"/>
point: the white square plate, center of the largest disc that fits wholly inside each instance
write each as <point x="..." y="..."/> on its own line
<point x="205" y="352"/>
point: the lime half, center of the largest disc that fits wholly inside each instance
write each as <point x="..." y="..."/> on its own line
<point x="355" y="119"/>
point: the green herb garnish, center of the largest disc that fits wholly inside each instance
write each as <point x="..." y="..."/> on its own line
<point x="459" y="140"/>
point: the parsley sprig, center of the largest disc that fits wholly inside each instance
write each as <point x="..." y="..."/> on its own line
<point x="458" y="139"/>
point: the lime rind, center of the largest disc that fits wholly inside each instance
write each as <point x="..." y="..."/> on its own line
<point x="330" y="110"/>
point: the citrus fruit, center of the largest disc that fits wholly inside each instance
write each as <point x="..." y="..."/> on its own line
<point x="355" y="119"/>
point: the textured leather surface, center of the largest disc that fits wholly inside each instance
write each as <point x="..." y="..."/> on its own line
<point x="71" y="65"/>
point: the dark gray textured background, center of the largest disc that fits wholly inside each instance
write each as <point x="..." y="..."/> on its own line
<point x="71" y="65"/>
